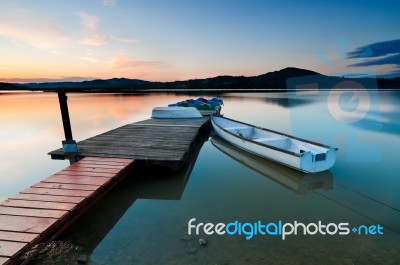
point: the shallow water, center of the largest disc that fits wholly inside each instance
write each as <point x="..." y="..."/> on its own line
<point x="144" y="220"/>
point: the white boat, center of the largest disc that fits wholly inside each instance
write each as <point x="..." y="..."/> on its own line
<point x="296" y="181"/>
<point x="175" y="113"/>
<point x="300" y="154"/>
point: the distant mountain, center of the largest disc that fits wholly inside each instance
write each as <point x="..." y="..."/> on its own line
<point x="8" y="86"/>
<point x="269" y="81"/>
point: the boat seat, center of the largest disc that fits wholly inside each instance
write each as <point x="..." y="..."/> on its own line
<point x="268" y="139"/>
<point x="236" y="128"/>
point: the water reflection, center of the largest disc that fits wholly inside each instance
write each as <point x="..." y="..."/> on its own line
<point x="383" y="117"/>
<point x="285" y="100"/>
<point x="296" y="181"/>
<point x="143" y="220"/>
<point x="145" y="182"/>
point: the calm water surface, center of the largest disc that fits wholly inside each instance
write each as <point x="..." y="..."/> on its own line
<point x="144" y="220"/>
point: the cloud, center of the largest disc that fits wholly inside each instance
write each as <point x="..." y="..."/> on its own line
<point x="93" y="35"/>
<point x="90" y="24"/>
<point x="391" y="59"/>
<point x="124" y="61"/>
<point x="95" y="40"/>
<point x="89" y="21"/>
<point x="378" y="54"/>
<point x="21" y="25"/>
<point x="376" y="49"/>
<point x="109" y="2"/>
<point x="43" y="80"/>
<point x="124" y="40"/>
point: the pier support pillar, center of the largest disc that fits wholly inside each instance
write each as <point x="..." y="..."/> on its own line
<point x="69" y="145"/>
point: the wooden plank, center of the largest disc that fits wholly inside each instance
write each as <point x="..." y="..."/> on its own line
<point x="61" y="192"/>
<point x="65" y="187"/>
<point x="147" y="136"/>
<point x="85" y="173"/>
<point x="167" y="125"/>
<point x="198" y="122"/>
<point x="134" y="142"/>
<point x="92" y="169"/>
<point x="39" y="205"/>
<point x="4" y="261"/>
<point x="110" y="163"/>
<point x="109" y="159"/>
<point x="25" y="224"/>
<point x="150" y="158"/>
<point x="83" y="180"/>
<point x="47" y="198"/>
<point x="17" y="237"/>
<point x="9" y="249"/>
<point x="157" y="132"/>
<point x="32" y="212"/>
<point x="91" y="165"/>
<point x="150" y="147"/>
<point x="133" y="153"/>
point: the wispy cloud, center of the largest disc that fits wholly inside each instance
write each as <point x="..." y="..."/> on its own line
<point x="376" y="49"/>
<point x="89" y="57"/>
<point x="43" y="80"/>
<point x="24" y="26"/>
<point x="90" y="23"/>
<point x="124" y="61"/>
<point x="93" y="35"/>
<point x="379" y="54"/>
<point x="95" y="40"/>
<point x="124" y="40"/>
<point x="109" y="2"/>
<point x="392" y="59"/>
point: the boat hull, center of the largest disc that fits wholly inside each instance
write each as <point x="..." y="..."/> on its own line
<point x="305" y="161"/>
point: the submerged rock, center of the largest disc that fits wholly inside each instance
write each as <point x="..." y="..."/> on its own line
<point x="187" y="237"/>
<point x="202" y="242"/>
<point x="82" y="259"/>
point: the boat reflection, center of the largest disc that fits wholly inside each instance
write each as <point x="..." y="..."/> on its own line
<point x="296" y="181"/>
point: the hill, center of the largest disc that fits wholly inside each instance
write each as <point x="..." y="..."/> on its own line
<point x="268" y="81"/>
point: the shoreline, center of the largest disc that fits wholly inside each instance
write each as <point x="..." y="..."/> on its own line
<point x="194" y="91"/>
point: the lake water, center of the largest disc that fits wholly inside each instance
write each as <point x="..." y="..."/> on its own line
<point x="145" y="219"/>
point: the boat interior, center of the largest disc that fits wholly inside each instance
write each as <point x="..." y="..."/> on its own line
<point x="278" y="140"/>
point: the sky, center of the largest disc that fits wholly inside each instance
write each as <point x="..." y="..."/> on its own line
<point x="168" y="40"/>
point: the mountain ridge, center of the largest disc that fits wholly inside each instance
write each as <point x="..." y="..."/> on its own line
<point x="268" y="81"/>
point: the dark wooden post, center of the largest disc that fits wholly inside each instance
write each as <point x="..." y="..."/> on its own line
<point x="69" y="145"/>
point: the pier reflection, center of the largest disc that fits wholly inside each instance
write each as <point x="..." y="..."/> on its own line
<point x="145" y="182"/>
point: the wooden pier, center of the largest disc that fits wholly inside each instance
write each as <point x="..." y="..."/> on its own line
<point x="161" y="142"/>
<point x="44" y="210"/>
<point x="41" y="212"/>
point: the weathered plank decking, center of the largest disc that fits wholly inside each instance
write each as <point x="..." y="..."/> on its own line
<point x="163" y="142"/>
<point x="46" y="208"/>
